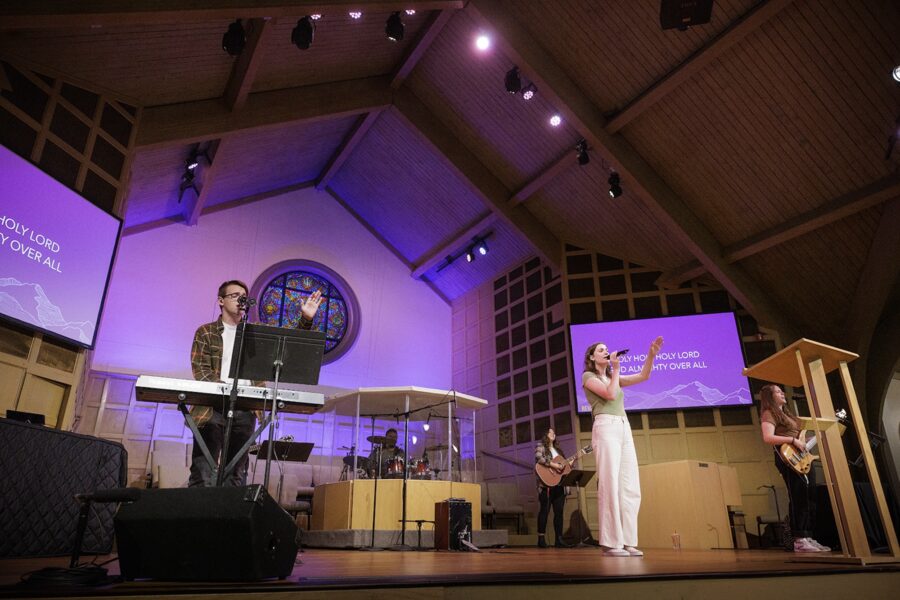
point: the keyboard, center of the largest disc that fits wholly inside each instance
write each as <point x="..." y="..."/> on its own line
<point x="213" y="393"/>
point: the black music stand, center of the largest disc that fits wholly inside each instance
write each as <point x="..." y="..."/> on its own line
<point x="579" y="478"/>
<point x="272" y="354"/>
<point x="285" y="451"/>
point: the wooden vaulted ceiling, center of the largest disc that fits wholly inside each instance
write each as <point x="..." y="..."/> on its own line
<point x="751" y="148"/>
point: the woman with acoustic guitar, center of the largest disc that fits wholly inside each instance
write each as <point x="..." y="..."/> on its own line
<point x="780" y="426"/>
<point x="618" y="483"/>
<point x="550" y="496"/>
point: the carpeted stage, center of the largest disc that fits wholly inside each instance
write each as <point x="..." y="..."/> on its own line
<point x="522" y="572"/>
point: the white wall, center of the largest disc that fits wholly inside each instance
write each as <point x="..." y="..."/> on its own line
<point x="165" y="281"/>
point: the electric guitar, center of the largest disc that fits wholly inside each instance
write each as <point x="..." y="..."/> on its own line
<point x="801" y="461"/>
<point x="552" y="476"/>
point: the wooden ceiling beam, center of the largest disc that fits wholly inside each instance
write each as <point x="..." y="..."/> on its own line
<point x="480" y="179"/>
<point x="543" y="178"/>
<point x="427" y="35"/>
<point x="699" y="60"/>
<point x="638" y="176"/>
<point x="44" y="14"/>
<point x="834" y="210"/>
<point x="350" y="142"/>
<point x="877" y="279"/>
<point x="193" y="204"/>
<point x="208" y="210"/>
<point x="202" y="120"/>
<point x="245" y="66"/>
<point x="464" y="236"/>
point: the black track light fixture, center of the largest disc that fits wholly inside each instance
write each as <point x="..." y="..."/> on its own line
<point x="394" y="28"/>
<point x="615" y="188"/>
<point x="581" y="150"/>
<point x="482" y="248"/>
<point x="513" y="81"/>
<point x="235" y="39"/>
<point x="303" y="34"/>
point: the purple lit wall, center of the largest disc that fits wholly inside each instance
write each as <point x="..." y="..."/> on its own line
<point x="165" y="280"/>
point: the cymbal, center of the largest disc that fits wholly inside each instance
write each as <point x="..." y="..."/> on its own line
<point x="377" y="439"/>
<point x="433" y="448"/>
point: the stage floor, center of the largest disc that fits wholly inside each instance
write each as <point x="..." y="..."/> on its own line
<point x="661" y="573"/>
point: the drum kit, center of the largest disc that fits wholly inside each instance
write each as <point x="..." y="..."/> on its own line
<point x="393" y="467"/>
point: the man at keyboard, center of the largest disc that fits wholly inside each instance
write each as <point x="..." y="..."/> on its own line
<point x="210" y="361"/>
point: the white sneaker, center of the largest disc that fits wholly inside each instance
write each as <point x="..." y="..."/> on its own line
<point x="804" y="545"/>
<point x="632" y="551"/>
<point x="615" y="552"/>
<point x="821" y="547"/>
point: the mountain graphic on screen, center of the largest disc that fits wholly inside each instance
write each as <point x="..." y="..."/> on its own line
<point x="690" y="395"/>
<point x="28" y="303"/>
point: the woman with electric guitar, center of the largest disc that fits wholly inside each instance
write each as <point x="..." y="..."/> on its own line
<point x="781" y="429"/>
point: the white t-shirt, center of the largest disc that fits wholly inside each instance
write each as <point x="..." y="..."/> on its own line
<point x="228" y="335"/>
<point x="553" y="453"/>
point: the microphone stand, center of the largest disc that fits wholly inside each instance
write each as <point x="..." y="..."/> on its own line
<point x="232" y="397"/>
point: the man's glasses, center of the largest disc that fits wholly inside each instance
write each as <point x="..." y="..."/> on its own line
<point x="234" y="295"/>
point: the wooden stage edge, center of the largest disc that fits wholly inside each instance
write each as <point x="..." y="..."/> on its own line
<point x="525" y="571"/>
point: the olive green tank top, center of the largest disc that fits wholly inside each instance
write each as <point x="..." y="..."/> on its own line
<point x="599" y="406"/>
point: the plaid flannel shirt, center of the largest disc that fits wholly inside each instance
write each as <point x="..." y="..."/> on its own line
<point x="206" y="359"/>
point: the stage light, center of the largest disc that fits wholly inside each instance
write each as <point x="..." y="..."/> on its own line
<point x="191" y="163"/>
<point x="896" y="73"/>
<point x="470" y="255"/>
<point x="394" y="27"/>
<point x="410" y="11"/>
<point x="315" y="16"/>
<point x="483" y="42"/>
<point x="555" y="120"/>
<point x="303" y="34"/>
<point x="615" y="190"/>
<point x="581" y="149"/>
<point x="427" y="425"/>
<point x="235" y="39"/>
<point x="512" y="81"/>
<point x="355" y="14"/>
<point x="529" y="91"/>
<point x="482" y="247"/>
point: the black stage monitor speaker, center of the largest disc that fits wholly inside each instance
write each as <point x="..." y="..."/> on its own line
<point x="681" y="14"/>
<point x="452" y="524"/>
<point x="205" y="534"/>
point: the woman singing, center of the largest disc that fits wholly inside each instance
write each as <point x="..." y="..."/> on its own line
<point x="554" y="496"/>
<point x="780" y="426"/>
<point x="618" y="483"/>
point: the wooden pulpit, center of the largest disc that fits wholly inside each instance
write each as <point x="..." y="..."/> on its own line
<point x="806" y="363"/>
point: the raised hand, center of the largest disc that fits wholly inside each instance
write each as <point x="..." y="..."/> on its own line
<point x="656" y="346"/>
<point x="311" y="305"/>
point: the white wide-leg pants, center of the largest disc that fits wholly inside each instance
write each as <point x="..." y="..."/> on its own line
<point x="618" y="481"/>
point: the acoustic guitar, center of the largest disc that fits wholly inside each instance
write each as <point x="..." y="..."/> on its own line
<point x="552" y="476"/>
<point x="801" y="461"/>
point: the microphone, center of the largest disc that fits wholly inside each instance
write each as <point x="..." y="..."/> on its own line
<point x="621" y="352"/>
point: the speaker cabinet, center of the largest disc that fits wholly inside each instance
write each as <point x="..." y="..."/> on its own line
<point x="205" y="534"/>
<point x="452" y="523"/>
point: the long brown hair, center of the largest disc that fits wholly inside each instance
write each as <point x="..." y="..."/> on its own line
<point x="546" y="441"/>
<point x="784" y="417"/>
<point x="590" y="365"/>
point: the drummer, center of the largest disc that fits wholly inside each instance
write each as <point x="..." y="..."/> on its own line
<point x="390" y="453"/>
